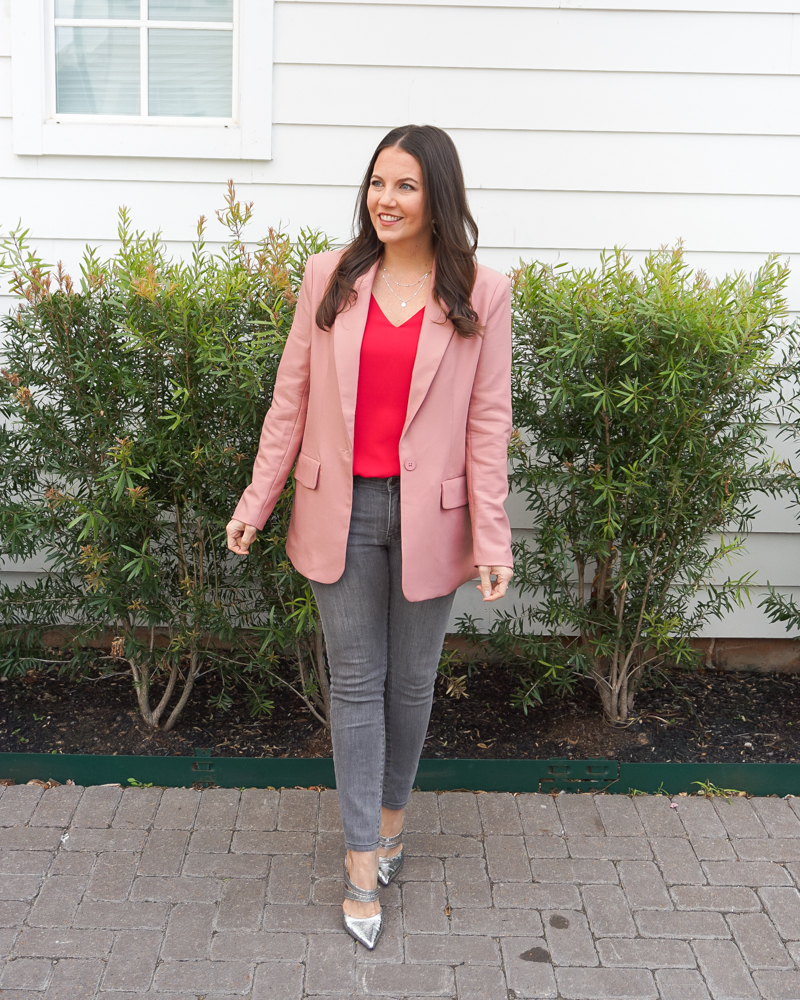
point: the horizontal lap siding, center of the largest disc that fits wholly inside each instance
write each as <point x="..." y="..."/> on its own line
<point x="633" y="122"/>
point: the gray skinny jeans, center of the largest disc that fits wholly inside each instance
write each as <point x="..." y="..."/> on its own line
<point x="383" y="653"/>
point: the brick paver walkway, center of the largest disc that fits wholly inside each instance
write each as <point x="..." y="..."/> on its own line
<point x="187" y="895"/>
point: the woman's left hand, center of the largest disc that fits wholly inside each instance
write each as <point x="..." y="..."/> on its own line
<point x="494" y="591"/>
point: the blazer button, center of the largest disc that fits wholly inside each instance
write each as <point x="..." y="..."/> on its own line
<point x="410" y="464"/>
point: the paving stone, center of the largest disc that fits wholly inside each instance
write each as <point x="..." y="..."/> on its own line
<point x="481" y="983"/>
<point x="724" y="970"/>
<point x="205" y="977"/>
<point x="499" y="814"/>
<point x="758" y="941"/>
<point x="497" y="923"/>
<point x="25" y="974"/>
<point x="329" y="854"/>
<point x="467" y="882"/>
<point x="606" y="984"/>
<point x="699" y="818"/>
<point x="640" y="954"/>
<point x="57" y="806"/>
<point x="98" y="840"/>
<point x="189" y="931"/>
<point x="258" y="809"/>
<point x="459" y="814"/>
<point x="755" y="873"/>
<point x="738" y="817"/>
<point x="658" y="817"/>
<point x="28" y="838"/>
<point x="777" y="817"/>
<point x="644" y="886"/>
<point x="681" y="924"/>
<point x="18" y="804"/>
<point x="708" y="849"/>
<point x="13" y="912"/>
<point x="793" y="947"/>
<point x="302" y="919"/>
<point x="442" y="846"/>
<point x="677" y="861"/>
<point x="608" y="912"/>
<point x="25" y="862"/>
<point x="395" y="980"/>
<point x="133" y="960"/>
<point x="424" y="908"/>
<point x="242" y="905"/>
<point x="298" y="809"/>
<point x="422" y="813"/>
<point x="778" y="985"/>
<point x="423" y="869"/>
<point x="210" y="841"/>
<point x="177" y="889"/>
<point x="259" y="946"/>
<point x="573" y="870"/>
<point x="8" y="938"/>
<point x="540" y="896"/>
<point x="539" y="815"/>
<point x="450" y="949"/>
<point x="529" y="972"/>
<point x="218" y="809"/>
<point x="112" y="876"/>
<point x="507" y="859"/>
<point x="727" y="899"/>
<point x="137" y="808"/>
<point x="293" y="842"/>
<point x="19" y="886"/>
<point x="62" y="942"/>
<point x="681" y="984"/>
<point x="390" y="946"/>
<point x="57" y="901"/>
<point x="774" y="849"/>
<point x="120" y="916"/>
<point x="568" y="936"/>
<point x="73" y="863"/>
<point x="546" y="846"/>
<point x="783" y="905"/>
<point x="75" y="979"/>
<point x="97" y="807"/>
<point x="330" y="964"/>
<point x="289" y="879"/>
<point x="226" y="865"/>
<point x="177" y="809"/>
<point x="164" y="852"/>
<point x="278" y="981"/>
<point x="619" y="816"/>
<point x="611" y="848"/>
<point x="579" y="816"/>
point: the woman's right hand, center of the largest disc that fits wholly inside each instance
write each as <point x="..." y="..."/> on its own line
<point x="240" y="536"/>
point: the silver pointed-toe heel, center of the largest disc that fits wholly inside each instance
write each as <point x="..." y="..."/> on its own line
<point x="366" y="930"/>
<point x="389" y="867"/>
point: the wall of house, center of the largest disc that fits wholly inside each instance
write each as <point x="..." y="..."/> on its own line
<point x="581" y="125"/>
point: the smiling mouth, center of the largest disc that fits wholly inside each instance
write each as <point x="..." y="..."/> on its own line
<point x="390" y="218"/>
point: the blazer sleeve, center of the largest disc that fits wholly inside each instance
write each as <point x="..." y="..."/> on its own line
<point x="489" y="425"/>
<point x="284" y="424"/>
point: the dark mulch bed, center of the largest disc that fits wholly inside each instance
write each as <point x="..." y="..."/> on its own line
<point x="703" y="716"/>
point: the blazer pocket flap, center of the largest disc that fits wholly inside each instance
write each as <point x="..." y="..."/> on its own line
<point x="454" y="492"/>
<point x="306" y="472"/>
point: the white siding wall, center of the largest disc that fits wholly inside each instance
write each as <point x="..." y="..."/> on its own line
<point x="581" y="125"/>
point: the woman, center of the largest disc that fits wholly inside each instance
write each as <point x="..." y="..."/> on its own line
<point x="393" y="395"/>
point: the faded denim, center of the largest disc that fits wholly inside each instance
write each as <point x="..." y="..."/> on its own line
<point x="383" y="653"/>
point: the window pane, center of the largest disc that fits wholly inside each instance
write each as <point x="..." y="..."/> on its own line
<point x="97" y="71"/>
<point x="109" y="9"/>
<point x="191" y="10"/>
<point x="191" y="72"/>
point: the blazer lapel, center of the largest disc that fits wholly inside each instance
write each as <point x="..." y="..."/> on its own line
<point x="348" y="332"/>
<point x="434" y="336"/>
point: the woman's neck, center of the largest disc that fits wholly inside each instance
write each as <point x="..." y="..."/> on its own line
<point x="408" y="261"/>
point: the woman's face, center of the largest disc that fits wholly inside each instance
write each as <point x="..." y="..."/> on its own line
<point x="396" y="200"/>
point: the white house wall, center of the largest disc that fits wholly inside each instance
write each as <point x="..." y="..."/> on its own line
<point x="581" y="125"/>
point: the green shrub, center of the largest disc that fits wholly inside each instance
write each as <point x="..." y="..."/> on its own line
<point x="640" y="402"/>
<point x="133" y="403"/>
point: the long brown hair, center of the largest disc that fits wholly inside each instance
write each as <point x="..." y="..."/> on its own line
<point x="455" y="233"/>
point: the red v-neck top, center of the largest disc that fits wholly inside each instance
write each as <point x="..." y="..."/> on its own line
<point x="384" y="382"/>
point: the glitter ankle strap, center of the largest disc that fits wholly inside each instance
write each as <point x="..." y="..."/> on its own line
<point x="387" y="843"/>
<point x="358" y="895"/>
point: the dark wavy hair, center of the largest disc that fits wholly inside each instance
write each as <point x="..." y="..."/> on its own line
<point x="455" y="233"/>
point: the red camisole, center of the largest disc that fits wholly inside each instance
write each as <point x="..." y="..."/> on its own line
<point x="384" y="382"/>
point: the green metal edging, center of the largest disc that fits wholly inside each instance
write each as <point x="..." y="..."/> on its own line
<point x="433" y="774"/>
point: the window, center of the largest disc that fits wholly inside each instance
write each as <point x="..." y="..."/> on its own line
<point x="142" y="77"/>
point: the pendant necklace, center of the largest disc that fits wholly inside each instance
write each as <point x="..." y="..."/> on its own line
<point x="404" y="301"/>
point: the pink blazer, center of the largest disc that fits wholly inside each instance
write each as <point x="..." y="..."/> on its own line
<point x="453" y="449"/>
